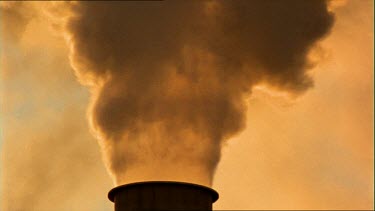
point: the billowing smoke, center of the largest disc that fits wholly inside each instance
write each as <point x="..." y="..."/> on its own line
<point x="169" y="78"/>
<point x="15" y="17"/>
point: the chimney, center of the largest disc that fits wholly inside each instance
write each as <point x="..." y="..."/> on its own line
<point x="162" y="195"/>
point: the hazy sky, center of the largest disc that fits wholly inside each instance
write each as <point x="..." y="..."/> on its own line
<point x="313" y="152"/>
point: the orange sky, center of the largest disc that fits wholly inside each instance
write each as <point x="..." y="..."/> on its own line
<point x="314" y="152"/>
<point x="319" y="154"/>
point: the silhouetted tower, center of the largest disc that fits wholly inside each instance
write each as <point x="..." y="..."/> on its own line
<point x="162" y="195"/>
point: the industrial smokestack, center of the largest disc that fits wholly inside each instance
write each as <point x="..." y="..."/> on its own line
<point x="162" y="195"/>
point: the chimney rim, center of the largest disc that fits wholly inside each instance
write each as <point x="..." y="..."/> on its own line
<point x="112" y="193"/>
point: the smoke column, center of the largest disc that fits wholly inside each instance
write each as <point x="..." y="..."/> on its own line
<point x="169" y="78"/>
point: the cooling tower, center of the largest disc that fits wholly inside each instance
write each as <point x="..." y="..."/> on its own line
<point x="162" y="195"/>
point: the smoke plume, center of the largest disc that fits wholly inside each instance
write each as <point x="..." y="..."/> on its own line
<point x="168" y="78"/>
<point x="15" y="17"/>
